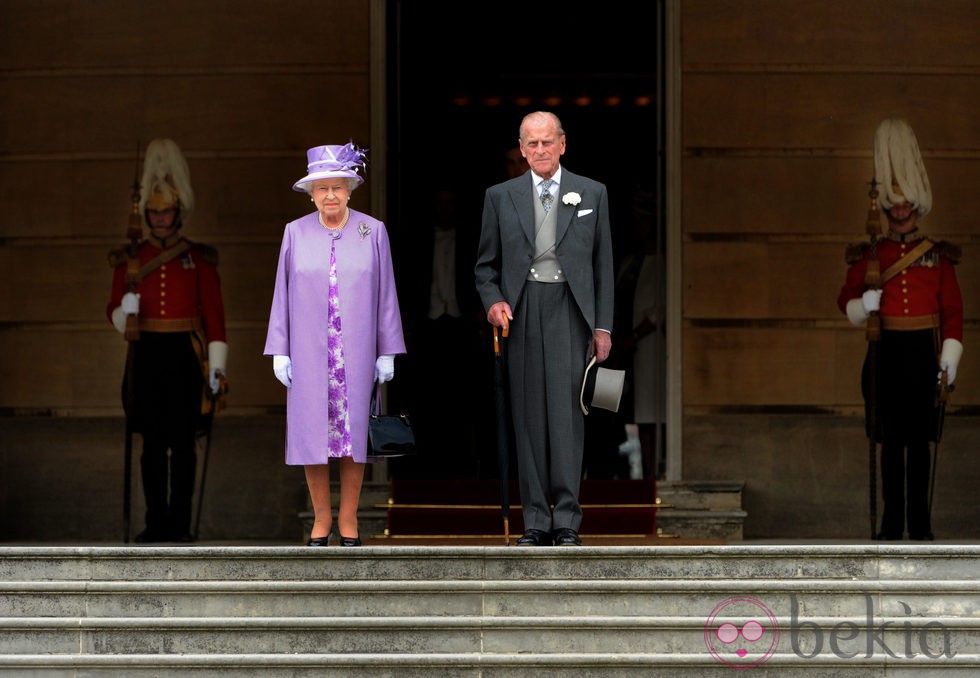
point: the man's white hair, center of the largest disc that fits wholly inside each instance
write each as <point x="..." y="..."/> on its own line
<point x="898" y="161"/>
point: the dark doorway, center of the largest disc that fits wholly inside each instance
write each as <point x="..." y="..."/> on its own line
<point x="459" y="84"/>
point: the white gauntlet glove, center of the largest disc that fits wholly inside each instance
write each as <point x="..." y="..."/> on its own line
<point x="283" y="367"/>
<point x="871" y="300"/>
<point x="218" y="360"/>
<point x="384" y="368"/>
<point x="131" y="303"/>
<point x="859" y="309"/>
<point x="949" y="359"/>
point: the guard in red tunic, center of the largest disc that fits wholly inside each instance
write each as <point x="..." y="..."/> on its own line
<point x="181" y="353"/>
<point x="920" y="307"/>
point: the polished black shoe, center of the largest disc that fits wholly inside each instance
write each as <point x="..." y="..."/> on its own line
<point x="888" y="536"/>
<point x="535" y="538"/>
<point x="927" y="536"/>
<point x="182" y="538"/>
<point x="566" y="536"/>
<point x="319" y="541"/>
<point x="350" y="541"/>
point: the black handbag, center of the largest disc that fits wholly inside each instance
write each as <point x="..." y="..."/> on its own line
<point x="389" y="435"/>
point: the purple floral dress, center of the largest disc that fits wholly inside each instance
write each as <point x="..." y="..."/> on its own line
<point x="338" y="421"/>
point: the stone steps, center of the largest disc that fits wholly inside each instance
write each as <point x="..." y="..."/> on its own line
<point x="891" y="560"/>
<point x="448" y="598"/>
<point x="827" y="610"/>
<point x="631" y="634"/>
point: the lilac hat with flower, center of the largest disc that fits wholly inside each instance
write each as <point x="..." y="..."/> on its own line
<point x="325" y="162"/>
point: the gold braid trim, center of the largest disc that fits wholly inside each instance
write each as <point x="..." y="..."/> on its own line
<point x="856" y="251"/>
<point x="117" y="256"/>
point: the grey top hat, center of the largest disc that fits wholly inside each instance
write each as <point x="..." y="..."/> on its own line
<point x="602" y="387"/>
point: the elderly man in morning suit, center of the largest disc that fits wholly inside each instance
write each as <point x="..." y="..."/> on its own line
<point x="545" y="267"/>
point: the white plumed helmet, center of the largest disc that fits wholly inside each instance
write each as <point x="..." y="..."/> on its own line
<point x="166" y="180"/>
<point x="899" y="170"/>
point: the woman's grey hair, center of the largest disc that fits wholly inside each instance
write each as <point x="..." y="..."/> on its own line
<point x="351" y="184"/>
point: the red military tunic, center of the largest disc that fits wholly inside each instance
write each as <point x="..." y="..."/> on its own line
<point x="928" y="287"/>
<point x="185" y="288"/>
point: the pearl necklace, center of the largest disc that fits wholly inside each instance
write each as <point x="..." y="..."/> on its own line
<point x="335" y="230"/>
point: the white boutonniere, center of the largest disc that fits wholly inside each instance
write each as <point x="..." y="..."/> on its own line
<point x="571" y="198"/>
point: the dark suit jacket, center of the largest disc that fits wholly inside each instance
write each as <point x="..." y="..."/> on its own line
<point x="583" y="245"/>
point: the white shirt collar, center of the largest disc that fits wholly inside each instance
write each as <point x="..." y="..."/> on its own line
<point x="556" y="177"/>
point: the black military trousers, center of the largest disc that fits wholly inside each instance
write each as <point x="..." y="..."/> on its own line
<point x="168" y="386"/>
<point x="906" y="415"/>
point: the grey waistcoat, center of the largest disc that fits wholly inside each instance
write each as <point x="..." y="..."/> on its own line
<point x="545" y="267"/>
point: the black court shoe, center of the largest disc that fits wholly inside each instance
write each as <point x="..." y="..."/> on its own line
<point x="319" y="541"/>
<point x="350" y="541"/>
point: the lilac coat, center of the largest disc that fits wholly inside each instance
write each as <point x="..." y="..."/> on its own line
<point x="369" y="318"/>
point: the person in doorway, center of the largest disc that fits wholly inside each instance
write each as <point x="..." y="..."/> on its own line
<point x="545" y="269"/>
<point x="918" y="300"/>
<point x="642" y="339"/>
<point x="514" y="162"/>
<point x="334" y="332"/>
<point x="444" y="325"/>
<point x="172" y="288"/>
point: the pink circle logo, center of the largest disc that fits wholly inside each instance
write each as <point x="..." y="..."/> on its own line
<point x="741" y="632"/>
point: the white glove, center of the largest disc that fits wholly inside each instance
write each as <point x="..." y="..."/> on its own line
<point x="217" y="359"/>
<point x="131" y="303"/>
<point x="871" y="300"/>
<point x="384" y="368"/>
<point x="214" y="381"/>
<point x="283" y="367"/>
<point x="949" y="359"/>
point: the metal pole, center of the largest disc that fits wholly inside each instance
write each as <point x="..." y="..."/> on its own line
<point x="873" y="334"/>
<point x="872" y="438"/>
<point x="128" y="454"/>
<point x="204" y="471"/>
<point x="134" y="231"/>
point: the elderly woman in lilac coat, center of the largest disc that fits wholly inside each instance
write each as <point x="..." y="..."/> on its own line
<point x="334" y="331"/>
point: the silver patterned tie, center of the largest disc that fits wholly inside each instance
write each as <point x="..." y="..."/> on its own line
<point x="546" y="198"/>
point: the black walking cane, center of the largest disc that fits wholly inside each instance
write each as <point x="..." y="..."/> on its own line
<point x="134" y="232"/>
<point x="872" y="280"/>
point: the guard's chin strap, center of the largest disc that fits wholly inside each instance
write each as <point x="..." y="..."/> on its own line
<point x="178" y="223"/>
